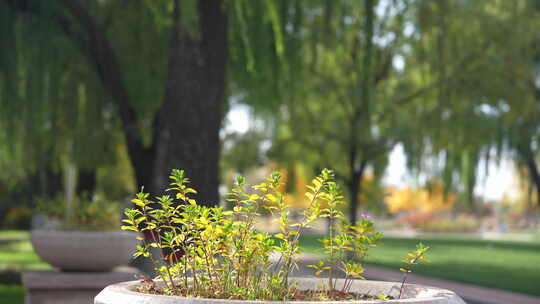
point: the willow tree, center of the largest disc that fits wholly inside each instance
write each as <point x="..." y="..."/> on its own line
<point x="342" y="95"/>
<point x="519" y="123"/>
<point x="335" y="116"/>
<point x="351" y="80"/>
<point x="161" y="63"/>
<point x="484" y="111"/>
<point x="526" y="132"/>
<point x="51" y="106"/>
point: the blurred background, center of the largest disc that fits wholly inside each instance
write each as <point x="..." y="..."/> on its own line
<point x="428" y="111"/>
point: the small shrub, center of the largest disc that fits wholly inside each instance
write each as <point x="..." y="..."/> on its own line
<point x="18" y="218"/>
<point x="85" y="215"/>
<point x="213" y="253"/>
<point x="430" y="222"/>
<point x="412" y="259"/>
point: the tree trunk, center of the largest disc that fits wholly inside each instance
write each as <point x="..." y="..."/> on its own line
<point x="52" y="182"/>
<point x="191" y="116"/>
<point x="186" y="130"/>
<point x="360" y="122"/>
<point x="355" y="189"/>
<point x="533" y="171"/>
<point x="86" y="183"/>
<point x="143" y="160"/>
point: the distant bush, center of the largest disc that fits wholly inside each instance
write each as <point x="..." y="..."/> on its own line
<point x="18" y="217"/>
<point x="92" y="215"/>
<point x="459" y="224"/>
<point x="417" y="219"/>
<point x="430" y="222"/>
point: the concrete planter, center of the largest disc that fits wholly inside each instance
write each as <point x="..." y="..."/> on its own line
<point x="89" y="251"/>
<point x="124" y="293"/>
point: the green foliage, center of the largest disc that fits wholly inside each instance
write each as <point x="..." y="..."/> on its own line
<point x="464" y="91"/>
<point x="242" y="152"/>
<point x="346" y="244"/>
<point x="220" y="251"/>
<point x="213" y="253"/>
<point x="411" y="260"/>
<point x="18" y="217"/>
<point x="81" y="214"/>
<point x="452" y="82"/>
<point x="460" y="224"/>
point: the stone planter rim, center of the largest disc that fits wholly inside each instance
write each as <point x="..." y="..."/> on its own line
<point x="112" y="293"/>
<point x="92" y="251"/>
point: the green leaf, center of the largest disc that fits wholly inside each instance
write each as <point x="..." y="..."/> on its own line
<point x="404" y="270"/>
<point x="138" y="202"/>
<point x="129" y="228"/>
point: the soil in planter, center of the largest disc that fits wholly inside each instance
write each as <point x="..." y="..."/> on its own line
<point x="334" y="295"/>
<point x="150" y="287"/>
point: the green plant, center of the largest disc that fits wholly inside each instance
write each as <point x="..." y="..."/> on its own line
<point x="412" y="259"/>
<point x="18" y="217"/>
<point x="82" y="214"/>
<point x="215" y="253"/>
<point x="345" y="244"/>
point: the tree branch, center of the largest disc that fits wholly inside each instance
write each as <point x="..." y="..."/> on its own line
<point x="459" y="68"/>
<point x="99" y="51"/>
<point x="97" y="48"/>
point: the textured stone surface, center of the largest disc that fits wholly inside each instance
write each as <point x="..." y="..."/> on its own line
<point x="56" y="287"/>
<point x="123" y="293"/>
<point x="84" y="250"/>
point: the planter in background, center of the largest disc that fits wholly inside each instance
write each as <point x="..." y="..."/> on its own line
<point x="124" y="293"/>
<point x="88" y="251"/>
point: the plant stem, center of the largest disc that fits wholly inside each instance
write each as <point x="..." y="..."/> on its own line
<point x="294" y="243"/>
<point x="207" y="262"/>
<point x="166" y="266"/>
<point x="413" y="262"/>
<point x="349" y="285"/>
<point x="345" y="283"/>
<point x="402" y="284"/>
<point x="331" y="232"/>
<point x="249" y="224"/>
<point x="195" y="281"/>
<point x="145" y="214"/>
<point x="185" y="270"/>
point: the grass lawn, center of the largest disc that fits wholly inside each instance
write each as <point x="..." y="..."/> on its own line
<point x="512" y="266"/>
<point x="16" y="255"/>
<point x="20" y="255"/>
<point x="13" y="234"/>
<point x="536" y="236"/>
<point x="11" y="294"/>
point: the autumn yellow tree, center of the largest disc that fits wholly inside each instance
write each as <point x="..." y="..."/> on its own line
<point x="431" y="198"/>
